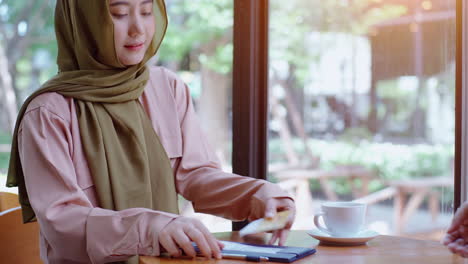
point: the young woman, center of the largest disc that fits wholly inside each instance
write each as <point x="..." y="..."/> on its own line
<point x="101" y="151"/>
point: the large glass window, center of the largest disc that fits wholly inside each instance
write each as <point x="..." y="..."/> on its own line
<point x="198" y="46"/>
<point x="362" y="99"/>
<point x="27" y="59"/>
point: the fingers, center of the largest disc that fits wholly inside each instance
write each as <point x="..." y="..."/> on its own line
<point x="283" y="236"/>
<point x="274" y="237"/>
<point x="449" y="238"/>
<point x="211" y="241"/>
<point x="463" y="230"/>
<point x="185" y="243"/>
<point x="270" y="208"/>
<point x="168" y="244"/>
<point x="197" y="236"/>
<point x="286" y="204"/>
<point x="459" y="247"/>
<point x="280" y="236"/>
<point x="459" y="218"/>
<point x="291" y="218"/>
<point x="180" y="233"/>
<point x="274" y="205"/>
<point x="456" y="240"/>
<point x="281" y="204"/>
<point x="220" y="244"/>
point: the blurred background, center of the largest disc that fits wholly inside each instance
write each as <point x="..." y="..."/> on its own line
<point x="361" y="98"/>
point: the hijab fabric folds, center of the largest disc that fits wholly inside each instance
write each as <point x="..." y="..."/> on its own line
<point x="129" y="166"/>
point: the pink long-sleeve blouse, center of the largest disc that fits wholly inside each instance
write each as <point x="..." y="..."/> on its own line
<point x="74" y="229"/>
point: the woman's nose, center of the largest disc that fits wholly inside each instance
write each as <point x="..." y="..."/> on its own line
<point x="136" y="28"/>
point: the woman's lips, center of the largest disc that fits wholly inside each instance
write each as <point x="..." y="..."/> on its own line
<point x="134" y="47"/>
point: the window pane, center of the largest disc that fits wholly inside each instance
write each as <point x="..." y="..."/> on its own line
<point x="27" y="59"/>
<point x="198" y="46"/>
<point x="362" y="99"/>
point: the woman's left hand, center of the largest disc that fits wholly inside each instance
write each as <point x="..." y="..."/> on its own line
<point x="272" y="207"/>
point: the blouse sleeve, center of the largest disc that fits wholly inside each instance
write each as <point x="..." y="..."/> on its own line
<point x="200" y="178"/>
<point x="75" y="230"/>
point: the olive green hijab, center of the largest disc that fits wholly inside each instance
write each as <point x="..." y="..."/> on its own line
<point x="129" y="166"/>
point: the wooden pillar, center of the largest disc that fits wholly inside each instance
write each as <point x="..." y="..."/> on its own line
<point x="250" y="89"/>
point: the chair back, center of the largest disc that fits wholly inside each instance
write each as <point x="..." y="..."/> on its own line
<point x="8" y="201"/>
<point x="19" y="243"/>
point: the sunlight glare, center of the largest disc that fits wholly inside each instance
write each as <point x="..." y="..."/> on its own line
<point x="426" y="5"/>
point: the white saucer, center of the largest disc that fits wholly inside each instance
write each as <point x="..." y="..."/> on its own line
<point x="360" y="239"/>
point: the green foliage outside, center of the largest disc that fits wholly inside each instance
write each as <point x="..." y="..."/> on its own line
<point x="390" y="161"/>
<point x="28" y="35"/>
<point x="291" y="26"/>
<point x="195" y="27"/>
<point x="4" y="157"/>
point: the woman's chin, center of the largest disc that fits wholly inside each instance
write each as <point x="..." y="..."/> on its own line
<point x="131" y="61"/>
<point x="130" y="64"/>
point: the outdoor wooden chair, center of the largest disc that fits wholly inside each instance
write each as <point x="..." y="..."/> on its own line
<point x="19" y="243"/>
<point x="8" y="201"/>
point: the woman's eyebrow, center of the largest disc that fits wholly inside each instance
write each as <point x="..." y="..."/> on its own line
<point x="147" y="2"/>
<point x="116" y="3"/>
<point x="126" y="3"/>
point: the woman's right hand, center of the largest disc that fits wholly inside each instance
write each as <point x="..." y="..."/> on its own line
<point x="180" y="233"/>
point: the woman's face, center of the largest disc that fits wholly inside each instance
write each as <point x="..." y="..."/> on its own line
<point x="134" y="27"/>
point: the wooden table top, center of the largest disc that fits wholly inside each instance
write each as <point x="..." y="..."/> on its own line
<point x="382" y="250"/>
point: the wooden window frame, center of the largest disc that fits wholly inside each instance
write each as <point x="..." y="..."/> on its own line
<point x="250" y="90"/>
<point x="461" y="106"/>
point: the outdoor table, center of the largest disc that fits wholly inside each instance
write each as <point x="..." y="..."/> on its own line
<point x="349" y="172"/>
<point x="382" y="250"/>
<point x="410" y="194"/>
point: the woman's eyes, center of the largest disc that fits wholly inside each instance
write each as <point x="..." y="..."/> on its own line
<point x="147" y="10"/>
<point x="119" y="15"/>
<point x="124" y="15"/>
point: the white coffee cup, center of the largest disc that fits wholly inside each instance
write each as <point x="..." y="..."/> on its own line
<point x="342" y="219"/>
